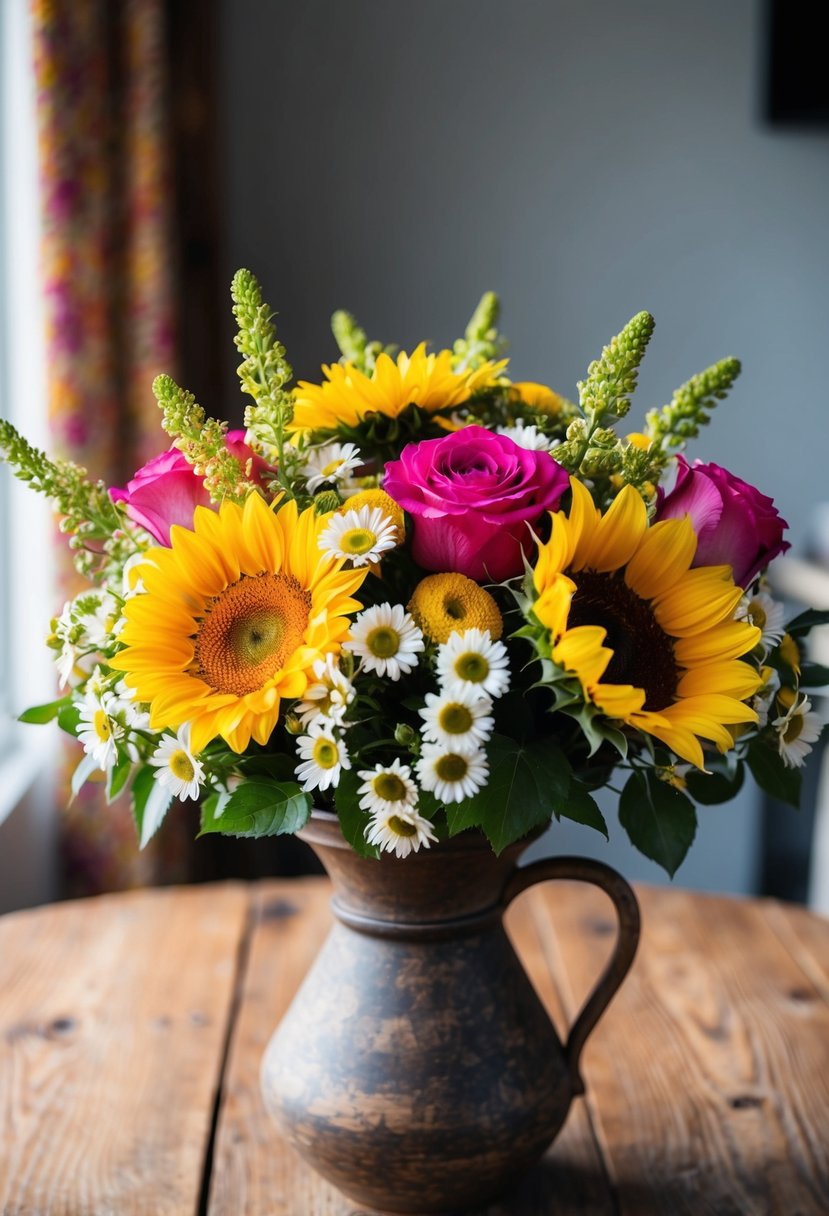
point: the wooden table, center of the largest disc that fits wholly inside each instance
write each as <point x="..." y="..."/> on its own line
<point x="131" y="1029"/>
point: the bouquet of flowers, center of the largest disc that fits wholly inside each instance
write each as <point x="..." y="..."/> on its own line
<point x="429" y="598"/>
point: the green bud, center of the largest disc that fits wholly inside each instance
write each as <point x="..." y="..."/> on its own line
<point x="327" y="500"/>
<point x="405" y="735"/>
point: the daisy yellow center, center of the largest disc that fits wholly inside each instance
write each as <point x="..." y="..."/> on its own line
<point x="643" y="654"/>
<point x="357" y="540"/>
<point x="325" y="754"/>
<point x="452" y="767"/>
<point x="471" y="667"/>
<point x="756" y="615"/>
<point x="249" y="630"/>
<point x="181" y="766"/>
<point x="331" y="468"/>
<point x="101" y="726"/>
<point x="383" y="642"/>
<point x="455" y="719"/>
<point x="389" y="787"/>
<point x="401" y="827"/>
<point x="793" y="728"/>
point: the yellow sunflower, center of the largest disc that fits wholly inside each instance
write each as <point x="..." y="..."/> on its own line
<point x="347" y="394"/>
<point x="653" y="643"/>
<point x="234" y="617"/>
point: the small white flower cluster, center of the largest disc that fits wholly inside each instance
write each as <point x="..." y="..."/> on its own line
<point x="83" y="633"/>
<point x="457" y="722"/>
<point x="322" y="750"/>
<point x="108" y="719"/>
<point x="472" y="670"/>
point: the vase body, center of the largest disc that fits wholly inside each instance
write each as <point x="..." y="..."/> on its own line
<point x="417" y="1069"/>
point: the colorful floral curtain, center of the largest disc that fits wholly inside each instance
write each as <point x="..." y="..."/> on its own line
<point x="106" y="265"/>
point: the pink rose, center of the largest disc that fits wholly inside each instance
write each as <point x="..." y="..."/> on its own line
<point x="472" y="495"/>
<point x="736" y="525"/>
<point x="166" y="491"/>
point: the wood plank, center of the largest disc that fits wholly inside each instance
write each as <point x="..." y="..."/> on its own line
<point x="256" y="1173"/>
<point x="806" y="937"/>
<point x="709" y="1078"/>
<point x="113" y="1020"/>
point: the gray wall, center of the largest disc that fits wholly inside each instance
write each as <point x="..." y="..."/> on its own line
<point x="585" y="159"/>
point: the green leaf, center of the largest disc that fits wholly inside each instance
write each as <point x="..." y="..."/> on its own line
<point x="526" y="783"/>
<point x="45" y="713"/>
<point x="772" y="775"/>
<point x="714" y="787"/>
<point x="808" y="620"/>
<point x="262" y="808"/>
<point x="581" y="807"/>
<point x="69" y="718"/>
<point x="119" y="777"/>
<point x="269" y="764"/>
<point x="140" y="791"/>
<point x="353" y="819"/>
<point x="660" y="820"/>
<point x="460" y="816"/>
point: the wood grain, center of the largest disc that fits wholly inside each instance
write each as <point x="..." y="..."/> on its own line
<point x="709" y="1080"/>
<point x="113" y="1016"/>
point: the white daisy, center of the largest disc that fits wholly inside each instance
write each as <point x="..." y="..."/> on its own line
<point x="331" y="463"/>
<point x="361" y="535"/>
<point x="98" y="730"/>
<point x="387" y="640"/>
<point x="178" y="769"/>
<point x="67" y="662"/>
<point x="528" y="436"/>
<point x="129" y="710"/>
<point x="323" y="755"/>
<point x="451" y="776"/>
<point x="767" y="614"/>
<point x="762" y="700"/>
<point x="472" y="662"/>
<point x="329" y="696"/>
<point x="388" y="789"/>
<point x="459" y="720"/>
<point x="797" y="730"/>
<point x="401" y="831"/>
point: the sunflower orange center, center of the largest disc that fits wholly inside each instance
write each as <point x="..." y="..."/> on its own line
<point x="643" y="654"/>
<point x="249" y="630"/>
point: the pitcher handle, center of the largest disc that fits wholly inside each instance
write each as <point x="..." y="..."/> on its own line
<point x="582" y="869"/>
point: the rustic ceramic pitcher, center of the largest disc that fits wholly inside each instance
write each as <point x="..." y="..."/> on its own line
<point x="417" y="1069"/>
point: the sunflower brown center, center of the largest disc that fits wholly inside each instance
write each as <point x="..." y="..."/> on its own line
<point x="249" y="630"/>
<point x="643" y="654"/>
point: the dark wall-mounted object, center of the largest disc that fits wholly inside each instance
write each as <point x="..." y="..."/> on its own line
<point x="796" y="75"/>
